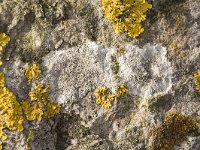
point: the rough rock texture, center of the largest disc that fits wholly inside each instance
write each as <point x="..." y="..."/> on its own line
<point x="77" y="49"/>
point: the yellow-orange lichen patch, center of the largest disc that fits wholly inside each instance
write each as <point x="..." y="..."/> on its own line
<point x="197" y="80"/>
<point x="121" y="90"/>
<point x="174" y="130"/>
<point x="39" y="93"/>
<point x="105" y="98"/>
<point x="102" y="97"/>
<point x="32" y="72"/>
<point x="10" y="110"/>
<point x="39" y="104"/>
<point x="126" y="15"/>
<point x="4" y="39"/>
<point x="52" y="109"/>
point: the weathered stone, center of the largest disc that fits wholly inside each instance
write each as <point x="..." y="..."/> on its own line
<point x="78" y="51"/>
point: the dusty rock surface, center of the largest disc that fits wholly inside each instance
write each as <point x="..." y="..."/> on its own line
<point x="77" y="50"/>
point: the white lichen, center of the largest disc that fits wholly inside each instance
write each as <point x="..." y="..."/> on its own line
<point x="146" y="70"/>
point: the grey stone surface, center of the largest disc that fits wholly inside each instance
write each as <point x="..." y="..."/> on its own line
<point x="76" y="48"/>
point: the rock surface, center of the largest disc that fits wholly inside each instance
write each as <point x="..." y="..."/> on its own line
<point x="77" y="49"/>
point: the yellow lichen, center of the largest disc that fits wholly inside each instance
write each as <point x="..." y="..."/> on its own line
<point x="121" y="90"/>
<point x="174" y="130"/>
<point x="4" y="39"/>
<point x="39" y="104"/>
<point x="52" y="109"/>
<point x="126" y="15"/>
<point x="197" y="80"/>
<point x="32" y="111"/>
<point x="32" y="72"/>
<point x="2" y="133"/>
<point x="2" y="80"/>
<point x="8" y="103"/>
<point x="104" y="98"/>
<point x="1" y="145"/>
<point x="39" y="93"/>
<point x="10" y="110"/>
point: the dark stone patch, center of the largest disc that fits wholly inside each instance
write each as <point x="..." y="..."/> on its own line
<point x="22" y="27"/>
<point x="69" y="127"/>
<point x="168" y="10"/>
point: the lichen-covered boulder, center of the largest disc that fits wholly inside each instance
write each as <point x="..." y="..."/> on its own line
<point x="108" y="91"/>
